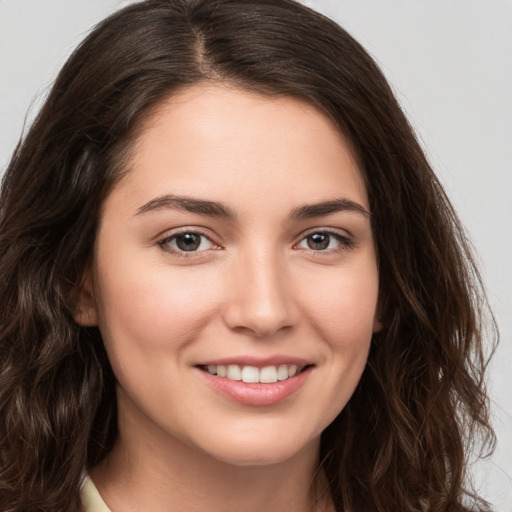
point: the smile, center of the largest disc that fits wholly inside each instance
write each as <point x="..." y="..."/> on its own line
<point x="253" y="374"/>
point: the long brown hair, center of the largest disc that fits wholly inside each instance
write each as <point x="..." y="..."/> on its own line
<point x="401" y="443"/>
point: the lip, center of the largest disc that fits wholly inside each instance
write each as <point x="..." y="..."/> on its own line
<point x="255" y="394"/>
<point x="258" y="362"/>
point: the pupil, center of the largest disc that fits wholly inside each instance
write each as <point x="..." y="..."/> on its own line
<point x="188" y="242"/>
<point x="318" y="241"/>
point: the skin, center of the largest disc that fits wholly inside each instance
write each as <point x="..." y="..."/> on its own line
<point x="253" y="288"/>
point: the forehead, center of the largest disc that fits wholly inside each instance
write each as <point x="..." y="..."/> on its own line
<point x="222" y="142"/>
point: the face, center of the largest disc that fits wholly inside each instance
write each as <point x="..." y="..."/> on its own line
<point x="235" y="279"/>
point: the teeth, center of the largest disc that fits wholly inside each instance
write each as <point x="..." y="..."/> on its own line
<point x="283" y="373"/>
<point x="233" y="372"/>
<point x="252" y="374"/>
<point x="268" y="374"/>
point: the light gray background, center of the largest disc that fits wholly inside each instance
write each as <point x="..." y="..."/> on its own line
<point x="450" y="62"/>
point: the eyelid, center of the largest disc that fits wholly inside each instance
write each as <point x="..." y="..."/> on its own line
<point x="344" y="238"/>
<point x="325" y="229"/>
<point x="174" y="233"/>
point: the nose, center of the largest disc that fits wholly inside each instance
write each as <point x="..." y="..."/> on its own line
<point x="261" y="300"/>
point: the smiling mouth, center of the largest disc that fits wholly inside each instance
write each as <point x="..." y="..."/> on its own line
<point x="253" y="374"/>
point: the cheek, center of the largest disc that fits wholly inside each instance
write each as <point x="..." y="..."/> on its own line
<point x="343" y="307"/>
<point x="153" y="308"/>
<point x="342" y="311"/>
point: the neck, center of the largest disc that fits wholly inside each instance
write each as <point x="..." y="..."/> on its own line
<point x="155" y="471"/>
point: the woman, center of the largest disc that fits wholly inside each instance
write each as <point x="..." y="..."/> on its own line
<point x="230" y="279"/>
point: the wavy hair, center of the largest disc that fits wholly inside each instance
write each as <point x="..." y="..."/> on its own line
<point x="403" y="440"/>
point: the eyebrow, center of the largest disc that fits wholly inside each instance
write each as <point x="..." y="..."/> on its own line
<point x="187" y="204"/>
<point x="326" y="208"/>
<point x="217" y="209"/>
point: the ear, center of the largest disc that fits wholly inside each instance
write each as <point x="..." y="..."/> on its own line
<point x="85" y="310"/>
<point x="377" y="325"/>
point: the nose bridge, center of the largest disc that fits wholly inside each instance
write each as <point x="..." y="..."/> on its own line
<point x="261" y="302"/>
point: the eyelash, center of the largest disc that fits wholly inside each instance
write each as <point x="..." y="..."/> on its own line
<point x="344" y="242"/>
<point x="164" y="243"/>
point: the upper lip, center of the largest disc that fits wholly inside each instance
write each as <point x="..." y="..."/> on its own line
<point x="258" y="362"/>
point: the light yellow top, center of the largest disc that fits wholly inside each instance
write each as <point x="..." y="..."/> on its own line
<point x="91" y="498"/>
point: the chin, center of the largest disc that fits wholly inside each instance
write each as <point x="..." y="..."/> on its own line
<point x="261" y="451"/>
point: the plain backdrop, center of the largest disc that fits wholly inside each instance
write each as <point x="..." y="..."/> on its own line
<point x="450" y="63"/>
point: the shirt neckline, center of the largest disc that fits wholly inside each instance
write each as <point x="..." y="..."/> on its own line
<point x="91" y="499"/>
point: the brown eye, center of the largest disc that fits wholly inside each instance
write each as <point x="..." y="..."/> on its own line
<point x="325" y="241"/>
<point x="188" y="241"/>
<point x="318" y="241"/>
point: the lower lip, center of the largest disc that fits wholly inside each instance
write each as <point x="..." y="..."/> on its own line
<point x="256" y="394"/>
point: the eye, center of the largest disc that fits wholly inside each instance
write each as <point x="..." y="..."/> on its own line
<point x="187" y="242"/>
<point x="324" y="241"/>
